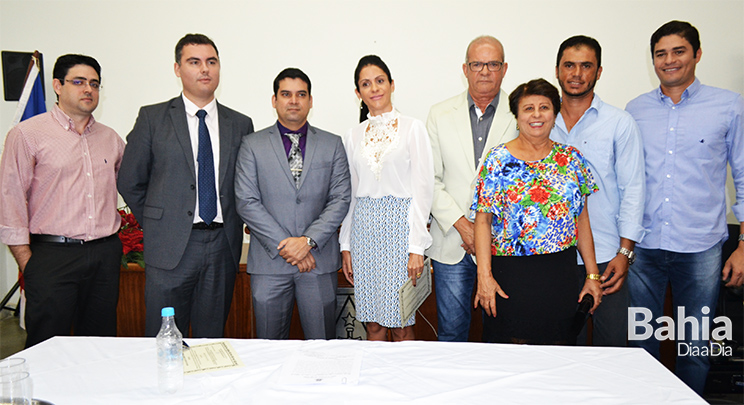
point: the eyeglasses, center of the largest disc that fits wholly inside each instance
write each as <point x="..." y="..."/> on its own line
<point x="493" y="66"/>
<point x="95" y="85"/>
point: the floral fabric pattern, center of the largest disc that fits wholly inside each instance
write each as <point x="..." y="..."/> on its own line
<point x="535" y="205"/>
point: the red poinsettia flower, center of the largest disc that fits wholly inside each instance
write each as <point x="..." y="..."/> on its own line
<point x="561" y="159"/>
<point x="130" y="234"/>
<point x="539" y="194"/>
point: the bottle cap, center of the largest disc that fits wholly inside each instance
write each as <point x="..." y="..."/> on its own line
<point x="167" y="311"/>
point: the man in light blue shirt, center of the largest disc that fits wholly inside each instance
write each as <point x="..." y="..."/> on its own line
<point x="609" y="139"/>
<point x="689" y="131"/>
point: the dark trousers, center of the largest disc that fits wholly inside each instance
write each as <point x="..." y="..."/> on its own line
<point x="72" y="286"/>
<point x="200" y="288"/>
<point x="610" y="320"/>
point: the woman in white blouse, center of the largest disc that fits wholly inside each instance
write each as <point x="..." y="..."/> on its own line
<point x="384" y="235"/>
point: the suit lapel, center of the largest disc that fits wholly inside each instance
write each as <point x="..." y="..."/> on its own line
<point x="275" y="138"/>
<point x="310" y="146"/>
<point x="181" y="128"/>
<point x="464" y="131"/>
<point x="226" y="143"/>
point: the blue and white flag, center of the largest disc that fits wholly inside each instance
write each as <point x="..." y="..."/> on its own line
<point x="32" y="100"/>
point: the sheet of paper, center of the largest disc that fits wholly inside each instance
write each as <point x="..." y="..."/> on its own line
<point x="210" y="357"/>
<point x="337" y="367"/>
<point x="412" y="297"/>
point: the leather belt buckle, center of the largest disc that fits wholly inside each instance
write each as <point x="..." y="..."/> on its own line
<point x="56" y="239"/>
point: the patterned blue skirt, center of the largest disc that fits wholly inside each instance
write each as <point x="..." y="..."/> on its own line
<point x="379" y="255"/>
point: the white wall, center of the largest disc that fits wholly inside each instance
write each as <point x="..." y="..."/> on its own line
<point x="423" y="42"/>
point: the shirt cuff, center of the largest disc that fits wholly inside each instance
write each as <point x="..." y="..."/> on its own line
<point x="14" y="236"/>
<point x="632" y="232"/>
<point x="416" y="250"/>
<point x="738" y="210"/>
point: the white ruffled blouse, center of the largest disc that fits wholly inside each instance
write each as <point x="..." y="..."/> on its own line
<point x="390" y="155"/>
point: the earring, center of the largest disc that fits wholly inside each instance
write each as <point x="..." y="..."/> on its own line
<point x="517" y="126"/>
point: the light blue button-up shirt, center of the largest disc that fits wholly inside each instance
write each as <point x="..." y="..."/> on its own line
<point x="687" y="146"/>
<point x="610" y="141"/>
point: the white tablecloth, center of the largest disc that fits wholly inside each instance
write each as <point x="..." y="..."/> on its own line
<point x="81" y="370"/>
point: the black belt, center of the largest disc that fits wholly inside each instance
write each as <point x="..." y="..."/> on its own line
<point x="64" y="240"/>
<point x="204" y="227"/>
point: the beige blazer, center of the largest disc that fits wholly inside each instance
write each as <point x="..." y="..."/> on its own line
<point x="454" y="173"/>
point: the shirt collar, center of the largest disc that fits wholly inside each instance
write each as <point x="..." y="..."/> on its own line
<point x="283" y="130"/>
<point x="690" y="91"/>
<point x="596" y="103"/>
<point x="494" y="102"/>
<point x="67" y="123"/>
<point x="191" y="108"/>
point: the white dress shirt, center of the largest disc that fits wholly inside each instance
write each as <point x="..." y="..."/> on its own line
<point x="213" y="126"/>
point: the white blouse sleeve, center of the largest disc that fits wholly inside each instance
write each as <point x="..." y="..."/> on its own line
<point x="422" y="188"/>
<point x="345" y="235"/>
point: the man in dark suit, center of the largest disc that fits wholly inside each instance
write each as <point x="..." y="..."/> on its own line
<point x="293" y="189"/>
<point x="177" y="177"/>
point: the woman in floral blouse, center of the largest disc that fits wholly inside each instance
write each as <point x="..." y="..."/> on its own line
<point x="530" y="219"/>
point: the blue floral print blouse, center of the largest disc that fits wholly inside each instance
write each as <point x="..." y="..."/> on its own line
<point x="535" y="205"/>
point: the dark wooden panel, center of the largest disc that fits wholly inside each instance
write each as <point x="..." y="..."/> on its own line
<point x="240" y="320"/>
<point x="130" y="312"/>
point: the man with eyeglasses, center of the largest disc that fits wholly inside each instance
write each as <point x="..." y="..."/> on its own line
<point x="58" y="210"/>
<point x="177" y="176"/>
<point x="609" y="139"/>
<point x="462" y="130"/>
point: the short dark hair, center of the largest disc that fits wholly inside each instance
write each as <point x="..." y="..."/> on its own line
<point x="675" y="27"/>
<point x="193" y="39"/>
<point x="65" y="62"/>
<point x="292" y="73"/>
<point x="579" y="41"/>
<point x="536" y="87"/>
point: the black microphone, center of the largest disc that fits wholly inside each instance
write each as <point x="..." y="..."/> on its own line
<point x="582" y="313"/>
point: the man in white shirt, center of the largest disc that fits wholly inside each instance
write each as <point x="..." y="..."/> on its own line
<point x="177" y="177"/>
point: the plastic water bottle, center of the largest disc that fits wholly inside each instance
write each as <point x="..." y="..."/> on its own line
<point x="170" y="353"/>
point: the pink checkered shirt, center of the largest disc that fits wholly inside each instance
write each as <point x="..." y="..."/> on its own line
<point x="58" y="182"/>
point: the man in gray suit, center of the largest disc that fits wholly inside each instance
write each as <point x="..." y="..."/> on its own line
<point x="177" y="177"/>
<point x="293" y="189"/>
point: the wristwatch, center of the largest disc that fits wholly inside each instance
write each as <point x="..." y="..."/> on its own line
<point x="311" y="243"/>
<point x="741" y="237"/>
<point x="629" y="253"/>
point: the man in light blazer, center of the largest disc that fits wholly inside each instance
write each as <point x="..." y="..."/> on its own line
<point x="293" y="189"/>
<point x="462" y="130"/>
<point x="177" y="177"/>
